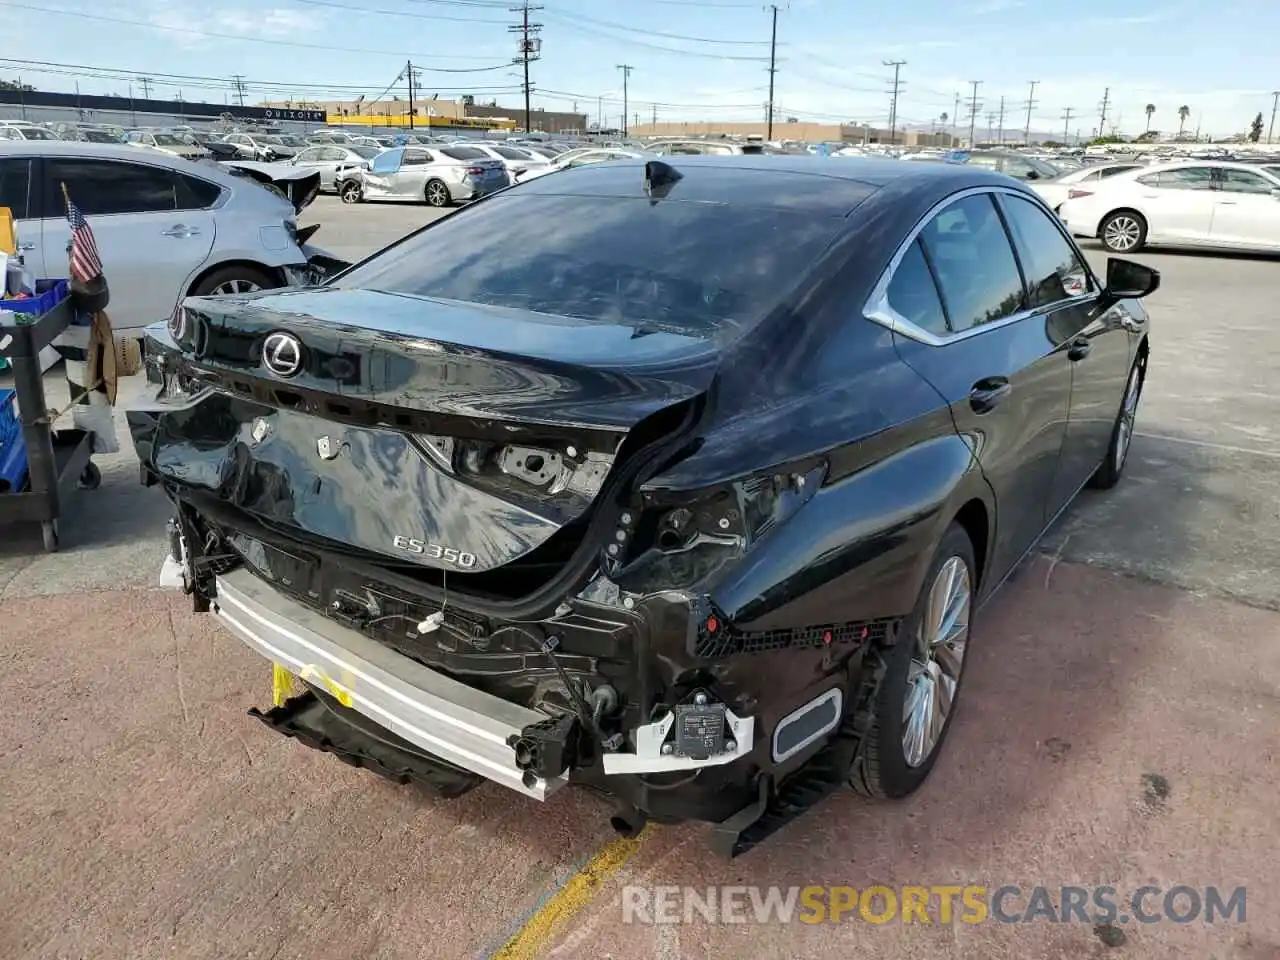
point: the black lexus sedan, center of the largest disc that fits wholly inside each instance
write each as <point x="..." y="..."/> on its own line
<point x="682" y="479"/>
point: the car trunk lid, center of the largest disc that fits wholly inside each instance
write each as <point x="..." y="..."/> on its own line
<point x="452" y="435"/>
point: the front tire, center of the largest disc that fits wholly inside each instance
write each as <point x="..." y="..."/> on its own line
<point x="1109" y="472"/>
<point x="437" y="194"/>
<point x="906" y="719"/>
<point x="1123" y="232"/>
<point x="351" y="192"/>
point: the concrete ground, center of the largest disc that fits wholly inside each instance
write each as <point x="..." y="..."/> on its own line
<point x="1119" y="726"/>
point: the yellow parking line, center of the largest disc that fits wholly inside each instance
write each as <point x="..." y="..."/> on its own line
<point x="550" y="918"/>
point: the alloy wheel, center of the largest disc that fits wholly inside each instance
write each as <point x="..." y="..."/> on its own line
<point x="936" y="662"/>
<point x="1122" y="233"/>
<point x="1128" y="415"/>
<point x="437" y="196"/>
<point x="235" y="286"/>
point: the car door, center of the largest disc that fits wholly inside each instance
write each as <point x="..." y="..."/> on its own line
<point x="1248" y="211"/>
<point x="151" y="224"/>
<point x="1063" y="293"/>
<point x="997" y="365"/>
<point x="313" y="159"/>
<point x="17" y="176"/>
<point x="379" y="180"/>
<point x="1179" y="203"/>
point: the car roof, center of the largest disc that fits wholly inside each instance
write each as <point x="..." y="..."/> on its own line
<point x="111" y="151"/>
<point x="827" y="186"/>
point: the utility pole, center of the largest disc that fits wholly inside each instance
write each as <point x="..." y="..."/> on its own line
<point x="773" y="67"/>
<point x="146" y="87"/>
<point x="599" y="113"/>
<point x="408" y="72"/>
<point x="1031" y="102"/>
<point x="1102" y="119"/>
<point x="955" y="117"/>
<point x="655" y="118"/>
<point x="973" y="109"/>
<point x="991" y="125"/>
<point x="1000" y="135"/>
<point x="626" y="69"/>
<point x="893" y="103"/>
<point x="1066" y="126"/>
<point x="237" y="81"/>
<point x="1275" y="101"/>
<point x="530" y="50"/>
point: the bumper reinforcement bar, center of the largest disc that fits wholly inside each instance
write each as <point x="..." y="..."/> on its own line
<point x="435" y="714"/>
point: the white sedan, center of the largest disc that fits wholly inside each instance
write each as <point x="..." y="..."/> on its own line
<point x="1196" y="203"/>
<point x="1057" y="191"/>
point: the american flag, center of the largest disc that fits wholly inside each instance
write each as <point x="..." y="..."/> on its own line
<point x="86" y="264"/>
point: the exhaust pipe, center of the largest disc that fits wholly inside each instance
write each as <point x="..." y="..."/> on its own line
<point x="628" y="821"/>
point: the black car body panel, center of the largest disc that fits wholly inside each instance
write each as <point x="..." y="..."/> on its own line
<point x="777" y="478"/>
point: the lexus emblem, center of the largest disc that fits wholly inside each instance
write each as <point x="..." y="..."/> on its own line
<point x="282" y="354"/>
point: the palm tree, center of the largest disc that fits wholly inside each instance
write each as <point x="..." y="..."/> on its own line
<point x="1183" y="113"/>
<point x="1151" y="108"/>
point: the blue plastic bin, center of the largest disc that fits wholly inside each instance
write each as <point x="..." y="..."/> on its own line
<point x="49" y="293"/>
<point x="13" y="448"/>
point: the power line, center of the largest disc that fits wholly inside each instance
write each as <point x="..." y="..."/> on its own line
<point x="632" y="42"/>
<point x="893" y="103"/>
<point x="556" y="14"/>
<point x="530" y="50"/>
<point x="973" y="108"/>
<point x="332" y="4"/>
<point x="1031" y="102"/>
<point x="626" y="69"/>
<point x="246" y="39"/>
<point x="773" y="65"/>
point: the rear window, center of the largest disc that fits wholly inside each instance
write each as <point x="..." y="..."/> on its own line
<point x="705" y="269"/>
<point x="464" y="153"/>
<point x="367" y="152"/>
<point x="509" y="154"/>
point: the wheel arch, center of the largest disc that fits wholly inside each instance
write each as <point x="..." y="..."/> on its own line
<point x="276" y="272"/>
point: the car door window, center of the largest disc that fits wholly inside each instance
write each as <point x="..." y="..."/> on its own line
<point x="415" y="158"/>
<point x="914" y="296"/>
<point x="1054" y="272"/>
<point x="1017" y="168"/>
<point x="308" y="156"/>
<point x="111" y="186"/>
<point x="1246" y="181"/>
<point x="194" y="193"/>
<point x="977" y="274"/>
<point x="1106" y="172"/>
<point x="1181" y="178"/>
<point x="15" y="186"/>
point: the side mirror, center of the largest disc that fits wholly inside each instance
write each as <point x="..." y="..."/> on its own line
<point x="1033" y="175"/>
<point x="1127" y="280"/>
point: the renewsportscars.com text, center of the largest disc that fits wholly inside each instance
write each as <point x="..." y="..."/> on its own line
<point x="939" y="903"/>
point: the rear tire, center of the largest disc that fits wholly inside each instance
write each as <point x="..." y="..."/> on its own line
<point x="1109" y="472"/>
<point x="923" y="669"/>
<point x="436" y="194"/>
<point x="1124" y="231"/>
<point x="350" y="192"/>
<point x="235" y="279"/>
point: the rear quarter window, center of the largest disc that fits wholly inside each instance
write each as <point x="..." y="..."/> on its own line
<point x="464" y="153"/>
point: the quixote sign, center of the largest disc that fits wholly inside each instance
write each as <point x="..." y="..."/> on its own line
<point x="280" y="113"/>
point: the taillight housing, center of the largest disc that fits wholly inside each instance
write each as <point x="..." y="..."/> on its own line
<point x="1077" y="194"/>
<point x="723" y="521"/>
<point x="476" y="171"/>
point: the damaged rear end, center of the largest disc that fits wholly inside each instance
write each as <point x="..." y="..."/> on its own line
<point x="440" y="513"/>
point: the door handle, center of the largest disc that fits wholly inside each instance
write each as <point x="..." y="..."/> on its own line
<point x="181" y="231"/>
<point x="987" y="394"/>
<point x="1226" y="203"/>
<point x="1079" y="349"/>
<point x="26" y="246"/>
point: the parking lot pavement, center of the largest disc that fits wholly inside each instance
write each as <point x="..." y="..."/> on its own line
<point x="1118" y="727"/>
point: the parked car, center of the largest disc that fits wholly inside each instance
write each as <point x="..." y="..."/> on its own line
<point x="165" y="227"/>
<point x="330" y="159"/>
<point x="580" y="158"/>
<point x="165" y="142"/>
<point x="552" y="490"/>
<point x="437" y="176"/>
<point x="714" y="148"/>
<point x="1184" y="204"/>
<point x="25" y="131"/>
<point x="260" y="146"/>
<point x="517" y="160"/>
<point x="1056" y="192"/>
<point x="1013" y="164"/>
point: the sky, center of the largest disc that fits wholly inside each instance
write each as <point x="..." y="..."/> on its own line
<point x="690" y="60"/>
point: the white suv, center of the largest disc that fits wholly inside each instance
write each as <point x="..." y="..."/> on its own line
<point x="166" y="228"/>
